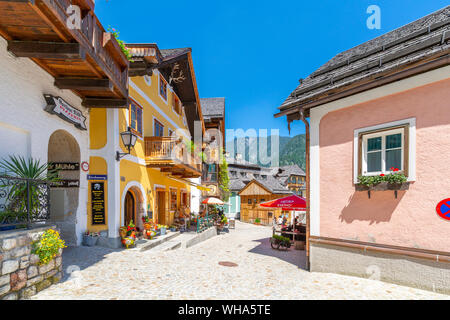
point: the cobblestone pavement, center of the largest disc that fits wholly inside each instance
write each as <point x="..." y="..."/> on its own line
<point x="195" y="273"/>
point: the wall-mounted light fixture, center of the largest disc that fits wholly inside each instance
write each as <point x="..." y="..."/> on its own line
<point x="129" y="141"/>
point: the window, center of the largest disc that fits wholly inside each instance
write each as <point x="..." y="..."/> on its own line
<point x="158" y="129"/>
<point x="212" y="172"/>
<point x="162" y="88"/>
<point x="173" y="200"/>
<point x="249" y="201"/>
<point x="176" y="104"/>
<point x="382" y="150"/>
<point x="233" y="173"/>
<point x="136" y="118"/>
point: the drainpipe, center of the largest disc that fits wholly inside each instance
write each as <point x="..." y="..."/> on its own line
<point x="308" y="179"/>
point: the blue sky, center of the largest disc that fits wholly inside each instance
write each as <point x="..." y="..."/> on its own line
<point x="254" y="52"/>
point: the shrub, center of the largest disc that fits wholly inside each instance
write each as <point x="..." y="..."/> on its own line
<point x="48" y="246"/>
<point x="257" y="220"/>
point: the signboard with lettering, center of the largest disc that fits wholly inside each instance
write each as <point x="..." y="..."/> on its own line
<point x="98" y="203"/>
<point x="97" y="177"/>
<point x="64" y="166"/>
<point x="59" y="107"/>
<point x="65" y="184"/>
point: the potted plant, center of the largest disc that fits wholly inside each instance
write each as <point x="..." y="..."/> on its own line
<point x="163" y="229"/>
<point x="48" y="246"/>
<point x="123" y="232"/>
<point x="258" y="221"/>
<point x="90" y="239"/>
<point x="173" y="228"/>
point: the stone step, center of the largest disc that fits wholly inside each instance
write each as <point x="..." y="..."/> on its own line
<point x="145" y="245"/>
<point x="167" y="246"/>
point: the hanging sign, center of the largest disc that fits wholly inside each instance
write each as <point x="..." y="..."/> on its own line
<point x="98" y="203"/>
<point x="65" y="184"/>
<point x="443" y="209"/>
<point x="64" y="166"/>
<point x="56" y="105"/>
<point x="97" y="177"/>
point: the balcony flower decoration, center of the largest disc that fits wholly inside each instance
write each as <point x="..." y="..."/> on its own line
<point x="121" y="43"/>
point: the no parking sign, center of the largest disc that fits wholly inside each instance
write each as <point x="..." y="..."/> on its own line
<point x="443" y="209"/>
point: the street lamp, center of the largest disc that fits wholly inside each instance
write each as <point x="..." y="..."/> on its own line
<point x="129" y="140"/>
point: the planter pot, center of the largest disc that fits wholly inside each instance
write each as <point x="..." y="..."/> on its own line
<point x="300" y="245"/>
<point x="163" y="231"/>
<point x="123" y="233"/>
<point x="382" y="186"/>
<point x="398" y="186"/>
<point x="90" y="241"/>
<point x="173" y="229"/>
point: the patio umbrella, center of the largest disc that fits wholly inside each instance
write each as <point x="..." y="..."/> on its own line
<point x="213" y="201"/>
<point x="290" y="203"/>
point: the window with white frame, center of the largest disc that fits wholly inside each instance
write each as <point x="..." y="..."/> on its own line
<point x="382" y="151"/>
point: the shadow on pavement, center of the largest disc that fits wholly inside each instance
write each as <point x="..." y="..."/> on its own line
<point x="292" y="256"/>
<point x="80" y="258"/>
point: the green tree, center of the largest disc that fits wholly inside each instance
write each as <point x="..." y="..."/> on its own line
<point x="224" y="180"/>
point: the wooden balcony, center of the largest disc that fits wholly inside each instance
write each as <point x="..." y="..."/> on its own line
<point x="88" y="60"/>
<point x="172" y="157"/>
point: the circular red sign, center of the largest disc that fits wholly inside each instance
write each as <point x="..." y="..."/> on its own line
<point x="85" y="166"/>
<point x="443" y="209"/>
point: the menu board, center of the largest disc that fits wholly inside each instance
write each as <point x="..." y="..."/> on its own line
<point x="98" y="203"/>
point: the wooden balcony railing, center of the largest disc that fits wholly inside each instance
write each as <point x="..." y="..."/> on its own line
<point x="87" y="60"/>
<point x="171" y="156"/>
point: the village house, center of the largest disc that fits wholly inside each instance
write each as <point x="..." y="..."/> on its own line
<point x="213" y="110"/>
<point x="154" y="177"/>
<point x="380" y="109"/>
<point x="52" y="78"/>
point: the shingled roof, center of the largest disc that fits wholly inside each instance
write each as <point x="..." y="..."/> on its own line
<point x="213" y="107"/>
<point x="246" y="173"/>
<point x="424" y="39"/>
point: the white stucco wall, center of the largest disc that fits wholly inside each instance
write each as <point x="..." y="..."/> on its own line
<point x="25" y="128"/>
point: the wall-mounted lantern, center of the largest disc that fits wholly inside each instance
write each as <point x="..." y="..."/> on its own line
<point x="129" y="141"/>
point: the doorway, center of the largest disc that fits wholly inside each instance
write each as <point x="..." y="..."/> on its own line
<point x="130" y="208"/>
<point x="64" y="148"/>
<point x="161" y="203"/>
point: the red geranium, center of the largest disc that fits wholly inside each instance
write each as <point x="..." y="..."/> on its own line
<point x="382" y="175"/>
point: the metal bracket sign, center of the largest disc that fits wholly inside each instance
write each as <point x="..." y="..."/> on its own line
<point x="56" y="105"/>
<point x="97" y="177"/>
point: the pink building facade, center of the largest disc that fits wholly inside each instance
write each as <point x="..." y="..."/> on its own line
<point x="382" y="105"/>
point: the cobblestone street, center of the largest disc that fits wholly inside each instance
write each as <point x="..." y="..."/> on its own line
<point x="195" y="273"/>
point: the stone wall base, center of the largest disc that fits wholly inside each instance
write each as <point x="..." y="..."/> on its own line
<point x="111" y="243"/>
<point x="407" y="271"/>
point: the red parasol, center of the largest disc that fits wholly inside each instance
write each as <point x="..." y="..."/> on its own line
<point x="293" y="202"/>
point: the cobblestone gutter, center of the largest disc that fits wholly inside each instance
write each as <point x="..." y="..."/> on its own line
<point x="21" y="276"/>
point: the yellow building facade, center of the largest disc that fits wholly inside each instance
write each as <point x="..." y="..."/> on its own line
<point x="155" y="179"/>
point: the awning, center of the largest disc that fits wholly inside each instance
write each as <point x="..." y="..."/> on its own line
<point x="193" y="184"/>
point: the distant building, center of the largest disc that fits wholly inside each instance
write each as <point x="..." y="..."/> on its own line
<point x="251" y="185"/>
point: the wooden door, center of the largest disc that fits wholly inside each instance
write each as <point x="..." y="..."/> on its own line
<point x="130" y="209"/>
<point x="161" y="209"/>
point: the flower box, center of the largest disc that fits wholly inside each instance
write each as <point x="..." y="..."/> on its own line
<point x="89" y="241"/>
<point x="384" y="186"/>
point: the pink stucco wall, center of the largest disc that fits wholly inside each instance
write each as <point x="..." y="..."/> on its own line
<point x="410" y="220"/>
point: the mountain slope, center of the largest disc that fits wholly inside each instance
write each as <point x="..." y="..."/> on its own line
<point x="291" y="149"/>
